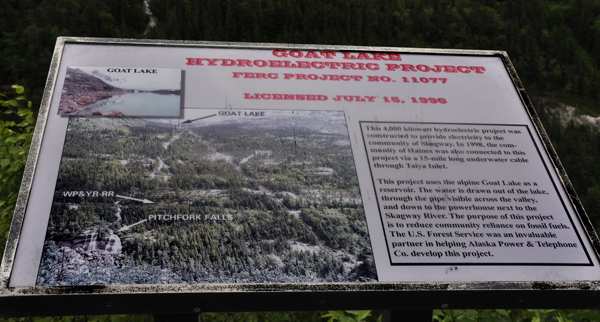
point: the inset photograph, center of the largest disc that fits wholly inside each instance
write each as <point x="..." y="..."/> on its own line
<point x="121" y="91"/>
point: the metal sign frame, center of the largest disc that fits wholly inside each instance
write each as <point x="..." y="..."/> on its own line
<point x="132" y="299"/>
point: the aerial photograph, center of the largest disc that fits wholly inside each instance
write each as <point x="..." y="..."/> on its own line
<point x="223" y="196"/>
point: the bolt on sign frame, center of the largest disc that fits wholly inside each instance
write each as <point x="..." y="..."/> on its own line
<point x="182" y="177"/>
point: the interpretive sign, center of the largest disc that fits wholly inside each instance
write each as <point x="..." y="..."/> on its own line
<point x="214" y="166"/>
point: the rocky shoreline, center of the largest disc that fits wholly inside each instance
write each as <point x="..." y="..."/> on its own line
<point x="72" y="103"/>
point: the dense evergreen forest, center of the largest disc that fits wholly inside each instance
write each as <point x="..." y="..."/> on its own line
<point x="279" y="203"/>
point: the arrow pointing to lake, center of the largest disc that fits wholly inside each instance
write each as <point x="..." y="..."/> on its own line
<point x="205" y="117"/>
<point x="135" y="199"/>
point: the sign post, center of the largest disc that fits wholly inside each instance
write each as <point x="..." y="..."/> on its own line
<point x="177" y="177"/>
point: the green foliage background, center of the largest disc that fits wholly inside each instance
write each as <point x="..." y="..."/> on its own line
<point x="16" y="131"/>
<point x="554" y="45"/>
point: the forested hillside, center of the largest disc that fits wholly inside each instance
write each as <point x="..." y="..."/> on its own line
<point x="293" y="214"/>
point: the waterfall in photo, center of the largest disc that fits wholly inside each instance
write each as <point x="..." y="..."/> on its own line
<point x="91" y="237"/>
<point x="114" y="244"/>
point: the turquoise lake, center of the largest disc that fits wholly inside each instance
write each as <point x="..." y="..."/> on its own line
<point x="138" y="104"/>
